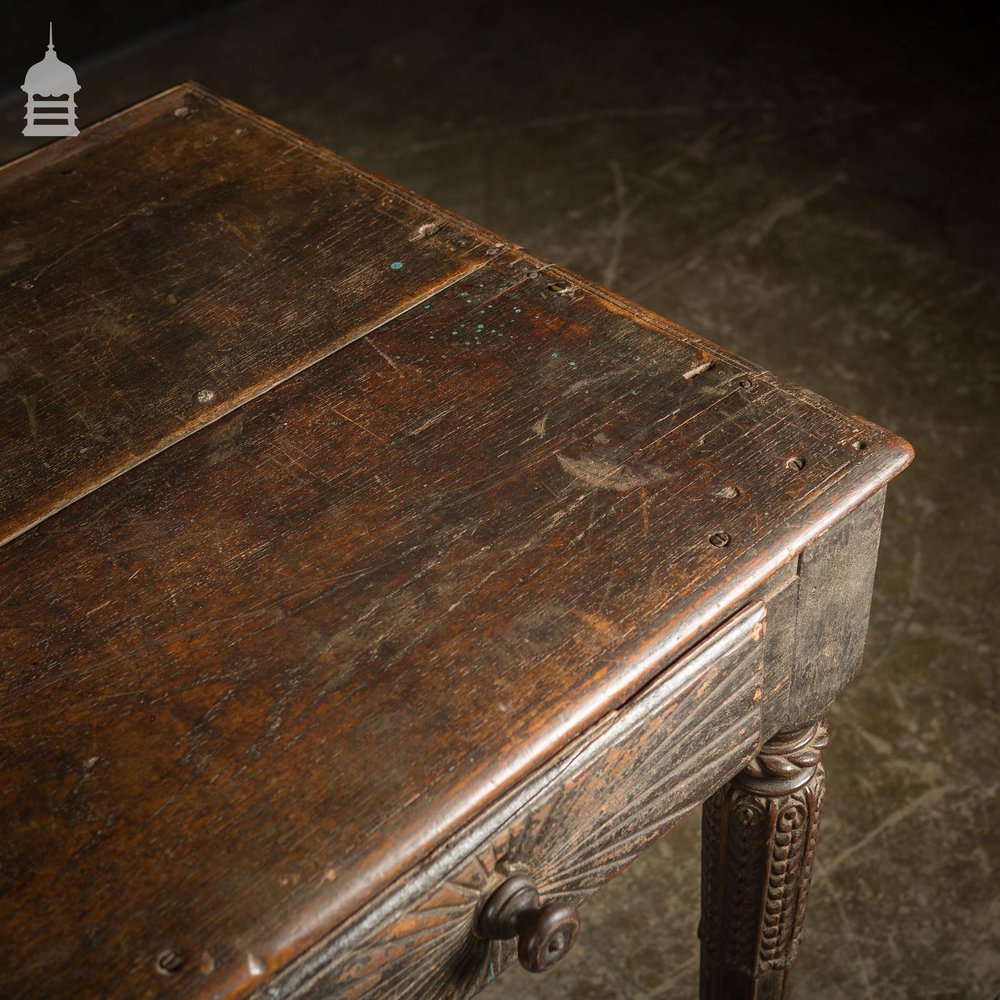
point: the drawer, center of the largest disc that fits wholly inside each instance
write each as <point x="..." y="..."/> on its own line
<point x="572" y="826"/>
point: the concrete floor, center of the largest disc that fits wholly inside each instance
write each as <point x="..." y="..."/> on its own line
<point x="820" y="197"/>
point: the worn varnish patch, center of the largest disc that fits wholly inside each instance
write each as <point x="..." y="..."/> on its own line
<point x="172" y="263"/>
<point x="260" y="676"/>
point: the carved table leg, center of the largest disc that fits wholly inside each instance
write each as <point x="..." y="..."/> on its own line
<point x="758" y="838"/>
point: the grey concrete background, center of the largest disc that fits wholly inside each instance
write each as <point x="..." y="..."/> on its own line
<point x="817" y="192"/>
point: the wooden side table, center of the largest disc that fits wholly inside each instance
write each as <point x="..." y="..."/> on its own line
<point x="373" y="591"/>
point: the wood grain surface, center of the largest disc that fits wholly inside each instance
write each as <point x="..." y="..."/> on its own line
<point x="572" y="826"/>
<point x="180" y="259"/>
<point x="258" y="678"/>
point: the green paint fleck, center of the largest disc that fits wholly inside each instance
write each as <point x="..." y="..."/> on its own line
<point x="517" y="309"/>
<point x="572" y="364"/>
<point x="427" y="305"/>
<point x="635" y="392"/>
<point x="635" y="357"/>
<point x="480" y="326"/>
<point x="489" y="305"/>
<point x="396" y="265"/>
<point x="454" y="333"/>
<point x="396" y="356"/>
<point x="555" y="354"/>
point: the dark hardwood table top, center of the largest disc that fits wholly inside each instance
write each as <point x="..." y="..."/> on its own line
<point x="329" y="516"/>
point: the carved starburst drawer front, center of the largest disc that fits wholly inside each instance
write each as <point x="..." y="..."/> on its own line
<point x="571" y="827"/>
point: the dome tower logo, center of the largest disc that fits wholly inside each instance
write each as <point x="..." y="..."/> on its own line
<point x="51" y="88"/>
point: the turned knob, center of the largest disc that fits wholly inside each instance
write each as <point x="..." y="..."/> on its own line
<point x="544" y="933"/>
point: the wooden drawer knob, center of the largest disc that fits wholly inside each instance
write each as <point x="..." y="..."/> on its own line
<point x="544" y="933"/>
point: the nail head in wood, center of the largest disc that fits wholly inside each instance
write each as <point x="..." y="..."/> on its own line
<point x="169" y="962"/>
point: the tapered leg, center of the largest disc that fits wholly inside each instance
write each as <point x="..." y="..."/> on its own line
<point x="758" y="839"/>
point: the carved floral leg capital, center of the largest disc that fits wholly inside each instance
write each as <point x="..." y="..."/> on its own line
<point x="758" y="840"/>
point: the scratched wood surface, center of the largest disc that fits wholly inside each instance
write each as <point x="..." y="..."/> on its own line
<point x="255" y="679"/>
<point x="262" y="674"/>
<point x="176" y="261"/>
<point x="573" y="825"/>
